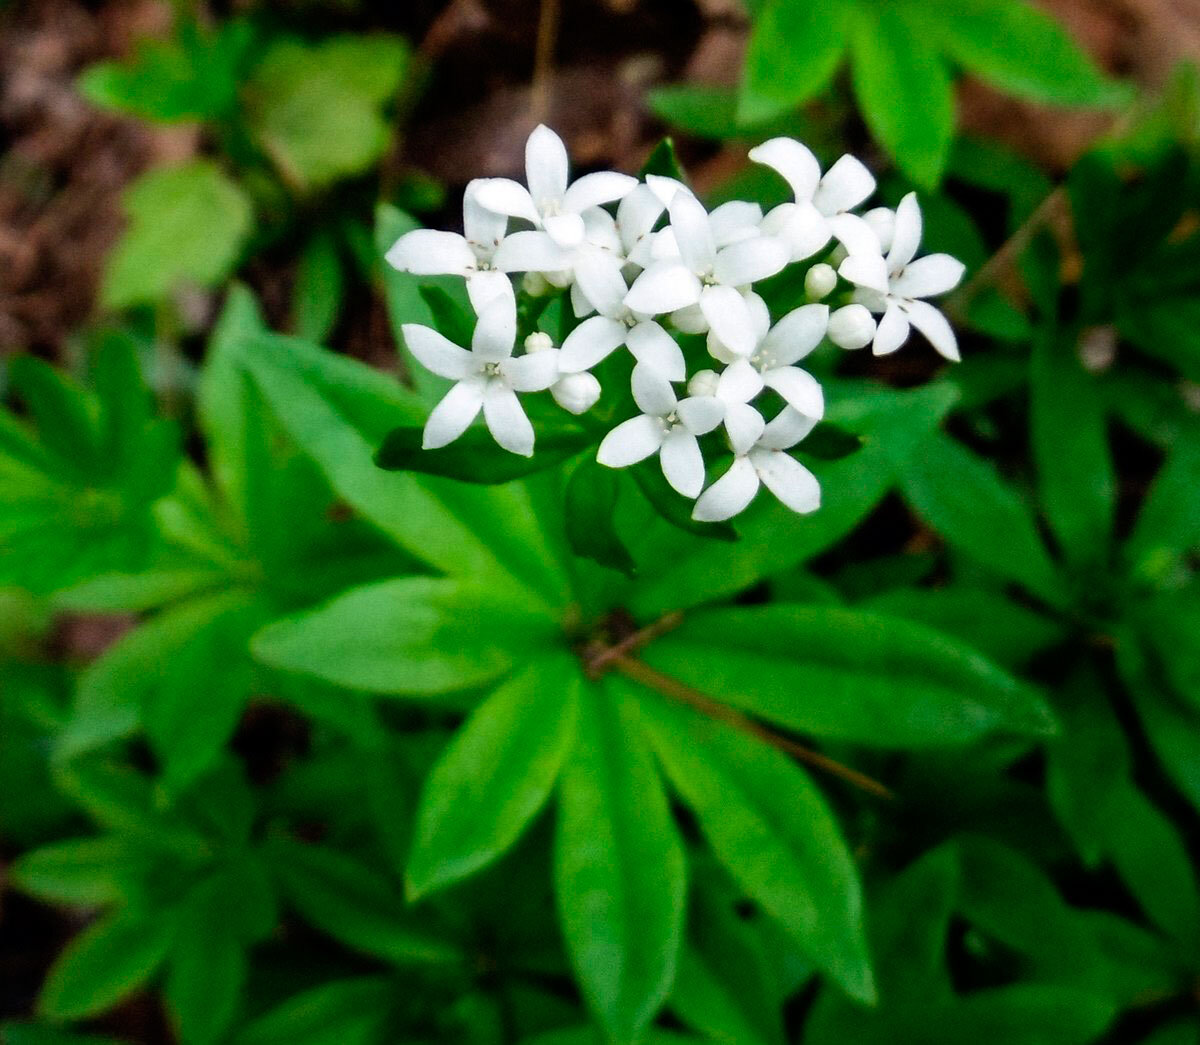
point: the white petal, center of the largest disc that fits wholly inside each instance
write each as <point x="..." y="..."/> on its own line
<point x="739" y="382"/>
<point x="576" y="393"/>
<point x="580" y="304"/>
<point x="741" y="264"/>
<point x="730" y="319"/>
<point x="598" y="274"/>
<point x="735" y="221"/>
<point x="566" y="230"/>
<point x="495" y="330"/>
<point x="682" y="462"/>
<point x="505" y="196"/>
<point x="652" y="392"/>
<point x="656" y="349"/>
<point x="600" y="230"/>
<point x="593" y="189"/>
<point x="927" y="276"/>
<point x="930" y="322"/>
<point x="689" y="222"/>
<point x="637" y="215"/>
<point x="845" y="185"/>
<point x="545" y="165"/>
<point x="800" y="225"/>
<point x="801" y="390"/>
<point x="882" y="221"/>
<point x="485" y="287"/>
<point x="853" y="233"/>
<point x="506" y="420"/>
<point x="530" y="251"/>
<point x="700" y="414"/>
<point x="906" y="233"/>
<point x="690" y="320"/>
<point x="760" y="315"/>
<point x="744" y="425"/>
<point x="664" y="287"/>
<point x="429" y="252"/>
<point x="852" y="326"/>
<point x="631" y="441"/>
<point x="797" y="165"/>
<point x="892" y="332"/>
<point x="728" y="495"/>
<point x="786" y="429"/>
<point x="437" y="353"/>
<point x="865" y="270"/>
<point x="532" y="372"/>
<point x="593" y="340"/>
<point x="666" y="188"/>
<point x="788" y="480"/>
<point x="481" y="226"/>
<point x="454" y="414"/>
<point x="797" y="334"/>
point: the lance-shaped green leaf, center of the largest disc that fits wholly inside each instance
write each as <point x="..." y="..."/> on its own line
<point x="343" y="1012"/>
<point x="848" y="674"/>
<point x="589" y="503"/>
<point x="474" y="457"/>
<point x="769" y="825"/>
<point x="1168" y="525"/>
<point x="618" y="868"/>
<point x="411" y="635"/>
<point x="963" y="498"/>
<point x="496" y="774"/>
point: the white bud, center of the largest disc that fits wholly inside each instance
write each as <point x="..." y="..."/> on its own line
<point x="821" y="279"/>
<point x="535" y="284"/>
<point x="538" y="342"/>
<point x="703" y="383"/>
<point x="882" y="221"/>
<point x="851" y="327"/>
<point x="576" y="393"/>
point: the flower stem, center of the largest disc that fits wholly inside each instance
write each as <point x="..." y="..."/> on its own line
<point x="543" y="60"/>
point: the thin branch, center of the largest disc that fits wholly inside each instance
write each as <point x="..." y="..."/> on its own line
<point x="543" y="60"/>
<point x="602" y="657"/>
<point x="641" y="672"/>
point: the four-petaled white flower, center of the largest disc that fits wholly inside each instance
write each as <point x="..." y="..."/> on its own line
<point x="488" y="377"/>
<point x="550" y="203"/>
<point x="765" y="463"/>
<point x="822" y="204"/>
<point x="667" y="426"/>
<point x="430" y="252"/>
<point x="895" y="285"/>
<point x="707" y="276"/>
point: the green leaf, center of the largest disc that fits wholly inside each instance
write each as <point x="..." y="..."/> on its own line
<point x="1023" y="51"/>
<point x="618" y="869"/>
<point x="84" y="872"/>
<point x="495" y="775"/>
<point x="355" y="904"/>
<point x="848" y="674"/>
<point x="137" y="592"/>
<point x="829" y="442"/>
<point x="770" y="827"/>
<point x="698" y="109"/>
<point x="206" y="972"/>
<point x="793" y="52"/>
<point x="962" y="498"/>
<point x="319" y="288"/>
<point x="318" y="110"/>
<point x="590" y="502"/>
<point x="412" y="635"/>
<point x="1168" y="525"/>
<point x="1070" y="446"/>
<point x="105" y="963"/>
<point x="342" y="1012"/>
<point x="187" y="225"/>
<point x="674" y="507"/>
<point x="904" y="90"/>
<point x="474" y="456"/>
<point x="664" y="161"/>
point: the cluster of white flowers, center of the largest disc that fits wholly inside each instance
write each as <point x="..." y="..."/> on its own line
<point x="629" y="273"/>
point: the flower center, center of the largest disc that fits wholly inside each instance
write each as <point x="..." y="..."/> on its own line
<point x="491" y="369"/>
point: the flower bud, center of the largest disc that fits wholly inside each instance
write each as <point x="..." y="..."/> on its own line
<point x="538" y="342"/>
<point x="821" y="279"/>
<point x="703" y="383"/>
<point x="851" y="327"/>
<point x="576" y="393"/>
<point x="535" y="285"/>
<point x="882" y="221"/>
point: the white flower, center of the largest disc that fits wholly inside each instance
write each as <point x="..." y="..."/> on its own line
<point x="895" y="286"/>
<point x="765" y="463"/>
<point x="598" y="276"/>
<point x="488" y="377"/>
<point x="851" y="326"/>
<point x="707" y="276"/>
<point x="668" y="427"/>
<point x="430" y="252"/>
<point x="549" y="203"/>
<point x="732" y="390"/>
<point x="822" y="202"/>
